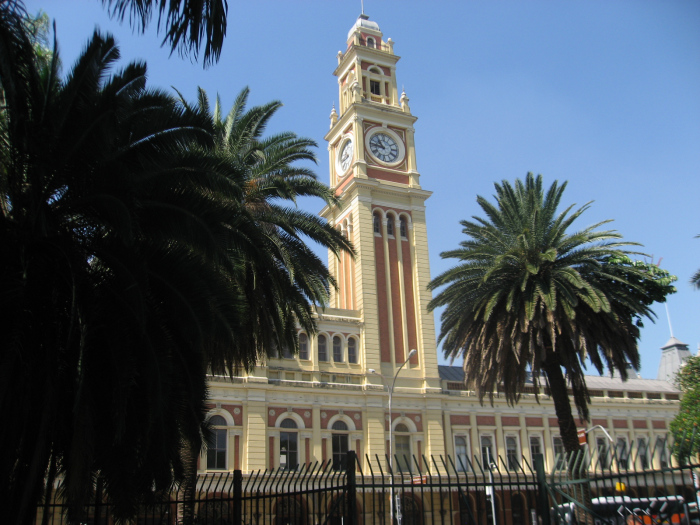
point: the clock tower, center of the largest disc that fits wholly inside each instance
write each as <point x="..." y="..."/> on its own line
<point x="373" y="171"/>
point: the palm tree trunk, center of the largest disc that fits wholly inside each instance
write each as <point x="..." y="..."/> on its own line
<point x="562" y="407"/>
<point x="577" y="466"/>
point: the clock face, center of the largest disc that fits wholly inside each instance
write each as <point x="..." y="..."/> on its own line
<point x="384" y="147"/>
<point x="345" y="156"/>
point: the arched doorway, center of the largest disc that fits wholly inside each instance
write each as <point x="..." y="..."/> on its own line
<point x="289" y="511"/>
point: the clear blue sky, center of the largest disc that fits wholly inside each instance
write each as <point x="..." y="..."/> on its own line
<point x="603" y="94"/>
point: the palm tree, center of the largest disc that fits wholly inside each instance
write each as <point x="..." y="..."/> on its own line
<point x="186" y="22"/>
<point x="115" y="274"/>
<point x="531" y="299"/>
<point x="279" y="275"/>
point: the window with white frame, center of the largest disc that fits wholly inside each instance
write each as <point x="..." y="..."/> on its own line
<point x="487" y="449"/>
<point x="376" y="224"/>
<point x="402" y="447"/>
<point x="601" y="444"/>
<point x="339" y="443"/>
<point x="559" y="453"/>
<point x="461" y="453"/>
<point x="216" y="445"/>
<point x="643" y="452"/>
<point x="403" y="228"/>
<point x="536" y="448"/>
<point x="337" y="349"/>
<point x="352" y="350"/>
<point x="322" y="348"/>
<point x="289" y="444"/>
<point x="512" y="459"/>
<point x="390" y="226"/>
<point x="303" y="346"/>
<point x="622" y="453"/>
<point x="660" y="452"/>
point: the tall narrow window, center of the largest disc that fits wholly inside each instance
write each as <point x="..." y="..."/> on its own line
<point x="602" y="447"/>
<point x="340" y="445"/>
<point x="322" y="348"/>
<point x="535" y="448"/>
<point x="370" y="42"/>
<point x="642" y="453"/>
<point x="374" y="87"/>
<point x="289" y="445"/>
<point x="461" y="453"/>
<point x="303" y="346"/>
<point x="390" y="226"/>
<point x="487" y="456"/>
<point x="559" y="453"/>
<point x="337" y="349"/>
<point x="660" y="452"/>
<point x="376" y="224"/>
<point x="216" y="446"/>
<point x="621" y="451"/>
<point x="402" y="448"/>
<point x="352" y="350"/>
<point x="403" y="227"/>
<point x="512" y="453"/>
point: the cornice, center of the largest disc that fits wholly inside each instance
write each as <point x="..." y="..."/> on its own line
<point x="383" y="58"/>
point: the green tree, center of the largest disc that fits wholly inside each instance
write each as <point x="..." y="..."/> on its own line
<point x="685" y="428"/>
<point x="187" y="24"/>
<point x="530" y="299"/>
<point x="125" y="237"/>
<point x="280" y="276"/>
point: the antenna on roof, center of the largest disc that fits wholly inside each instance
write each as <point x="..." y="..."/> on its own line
<point x="668" y="316"/>
<point x="362" y="3"/>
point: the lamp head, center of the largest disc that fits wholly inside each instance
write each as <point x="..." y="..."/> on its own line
<point x="372" y="371"/>
<point x="412" y="353"/>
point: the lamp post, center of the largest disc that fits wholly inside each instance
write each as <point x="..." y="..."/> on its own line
<point x="391" y="433"/>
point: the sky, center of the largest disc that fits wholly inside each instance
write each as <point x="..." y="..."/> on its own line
<point x="602" y="94"/>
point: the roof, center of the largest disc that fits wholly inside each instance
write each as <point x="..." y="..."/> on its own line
<point x="455" y="373"/>
<point x="673" y="342"/>
<point x="364" y="22"/>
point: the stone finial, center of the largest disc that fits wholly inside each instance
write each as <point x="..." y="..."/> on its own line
<point x="334" y="116"/>
<point x="340" y="56"/>
<point x="404" y="103"/>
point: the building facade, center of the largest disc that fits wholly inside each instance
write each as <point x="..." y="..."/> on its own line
<point x="333" y="397"/>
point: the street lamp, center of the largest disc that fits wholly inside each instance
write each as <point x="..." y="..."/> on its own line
<point x="391" y="433"/>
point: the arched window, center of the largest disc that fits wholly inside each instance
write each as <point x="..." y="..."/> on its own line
<point x="461" y="453"/>
<point x="303" y="346"/>
<point x="403" y="227"/>
<point x="352" y="350"/>
<point x="337" y="349"/>
<point x="517" y="506"/>
<point x="390" y="226"/>
<point x="216" y="445"/>
<point x="402" y="448"/>
<point x="289" y="445"/>
<point x="322" y="348"/>
<point x="339" y="441"/>
<point x="370" y="42"/>
<point x="410" y="510"/>
<point x="376" y="224"/>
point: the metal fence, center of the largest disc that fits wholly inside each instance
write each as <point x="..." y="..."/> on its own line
<point x="429" y="490"/>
